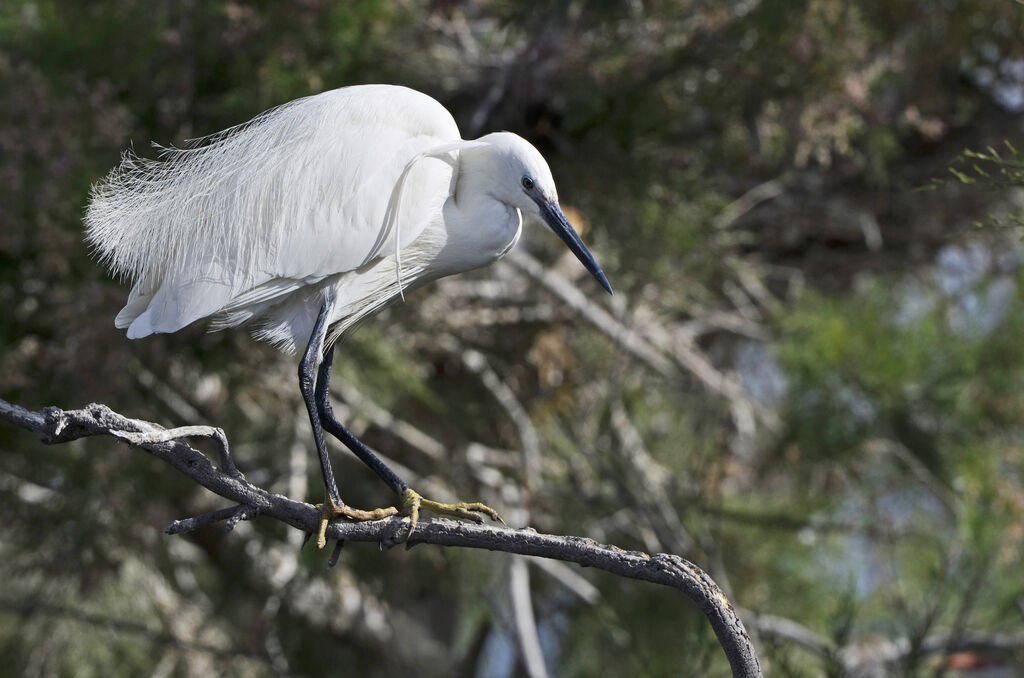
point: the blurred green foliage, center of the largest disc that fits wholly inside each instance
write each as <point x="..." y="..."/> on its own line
<point x="745" y="172"/>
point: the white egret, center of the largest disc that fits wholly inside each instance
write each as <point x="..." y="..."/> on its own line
<point x="312" y="217"/>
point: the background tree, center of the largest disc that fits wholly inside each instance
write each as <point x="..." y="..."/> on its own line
<point x="808" y="381"/>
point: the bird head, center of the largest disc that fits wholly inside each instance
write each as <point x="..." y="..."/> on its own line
<point x="521" y="178"/>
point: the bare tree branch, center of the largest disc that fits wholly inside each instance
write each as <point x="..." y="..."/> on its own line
<point x="60" y="426"/>
<point x="779" y="628"/>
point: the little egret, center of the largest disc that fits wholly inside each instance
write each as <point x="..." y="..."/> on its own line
<point x="308" y="219"/>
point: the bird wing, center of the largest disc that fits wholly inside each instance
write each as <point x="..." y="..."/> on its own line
<point x="299" y="193"/>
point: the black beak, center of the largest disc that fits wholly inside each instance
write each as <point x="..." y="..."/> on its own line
<point x="561" y="227"/>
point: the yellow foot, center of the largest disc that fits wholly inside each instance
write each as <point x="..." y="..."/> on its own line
<point x="329" y="511"/>
<point x="412" y="502"/>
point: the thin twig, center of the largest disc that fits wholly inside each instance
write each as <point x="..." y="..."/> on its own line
<point x="780" y="628"/>
<point x="526" y="623"/>
<point x="569" y="578"/>
<point x="628" y="339"/>
<point x="196" y="522"/>
<point x="653" y="499"/>
<point x="506" y="397"/>
<point x="246" y="513"/>
<point x="335" y="554"/>
<point x="662" y="350"/>
<point x="769" y="190"/>
<point x="165" y="435"/>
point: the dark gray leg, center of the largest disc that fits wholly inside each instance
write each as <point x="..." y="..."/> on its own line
<point x="332" y="507"/>
<point x="334" y="427"/>
<point x="307" y="373"/>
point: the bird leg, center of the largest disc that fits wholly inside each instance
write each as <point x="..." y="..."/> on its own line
<point x="333" y="507"/>
<point x="412" y="501"/>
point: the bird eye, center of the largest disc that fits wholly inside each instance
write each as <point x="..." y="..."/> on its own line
<point x="528" y="183"/>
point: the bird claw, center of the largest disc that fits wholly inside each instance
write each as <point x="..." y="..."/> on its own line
<point x="330" y="510"/>
<point x="412" y="502"/>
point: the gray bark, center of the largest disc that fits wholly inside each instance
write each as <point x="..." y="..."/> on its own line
<point x="61" y="426"/>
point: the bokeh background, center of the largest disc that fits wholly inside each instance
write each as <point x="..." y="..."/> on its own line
<point x="810" y="380"/>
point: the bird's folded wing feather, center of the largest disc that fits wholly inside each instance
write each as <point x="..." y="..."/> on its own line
<point x="297" y="194"/>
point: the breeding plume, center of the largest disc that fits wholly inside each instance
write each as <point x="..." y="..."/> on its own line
<point x="312" y="217"/>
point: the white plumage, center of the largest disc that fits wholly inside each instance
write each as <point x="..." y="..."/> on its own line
<point x="368" y="189"/>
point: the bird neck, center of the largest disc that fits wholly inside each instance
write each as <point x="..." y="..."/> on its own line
<point x="480" y="227"/>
